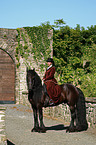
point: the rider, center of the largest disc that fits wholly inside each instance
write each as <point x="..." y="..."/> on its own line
<point x="50" y="83"/>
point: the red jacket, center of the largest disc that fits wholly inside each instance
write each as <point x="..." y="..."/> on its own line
<point x="49" y="75"/>
<point x="53" y="89"/>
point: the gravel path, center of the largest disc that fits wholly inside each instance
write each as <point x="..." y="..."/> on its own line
<point x="19" y="122"/>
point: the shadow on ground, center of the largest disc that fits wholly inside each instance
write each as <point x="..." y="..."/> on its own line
<point x="10" y="143"/>
<point x="57" y="127"/>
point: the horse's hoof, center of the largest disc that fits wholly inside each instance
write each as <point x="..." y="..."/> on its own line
<point x="42" y="130"/>
<point x="35" y="130"/>
<point x="81" y="128"/>
<point x="67" y="130"/>
<point x="78" y="129"/>
<point x="71" y="129"/>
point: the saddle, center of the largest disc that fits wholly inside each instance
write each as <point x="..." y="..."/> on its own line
<point x="53" y="92"/>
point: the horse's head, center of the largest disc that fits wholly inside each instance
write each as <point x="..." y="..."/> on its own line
<point x="30" y="78"/>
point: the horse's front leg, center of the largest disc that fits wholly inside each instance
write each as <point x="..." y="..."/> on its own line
<point x="72" y="128"/>
<point x="36" y="124"/>
<point x="42" y="126"/>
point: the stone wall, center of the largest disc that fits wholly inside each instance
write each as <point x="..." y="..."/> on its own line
<point x="62" y="112"/>
<point x="8" y="43"/>
<point x="3" y="137"/>
<point x="91" y="114"/>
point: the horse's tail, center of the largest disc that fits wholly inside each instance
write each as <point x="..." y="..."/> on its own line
<point x="81" y="122"/>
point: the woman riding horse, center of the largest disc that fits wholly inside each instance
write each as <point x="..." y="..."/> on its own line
<point x="65" y="93"/>
<point x="51" y="89"/>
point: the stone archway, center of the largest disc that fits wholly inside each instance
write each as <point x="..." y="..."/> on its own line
<point x="7" y="78"/>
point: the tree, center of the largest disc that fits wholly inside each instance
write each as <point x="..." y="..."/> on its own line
<point x="72" y="50"/>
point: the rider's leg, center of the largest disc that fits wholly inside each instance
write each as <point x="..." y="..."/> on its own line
<point x="45" y="90"/>
<point x="47" y="101"/>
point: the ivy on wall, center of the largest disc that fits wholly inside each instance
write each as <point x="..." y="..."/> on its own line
<point x="38" y="44"/>
<point x="18" y="48"/>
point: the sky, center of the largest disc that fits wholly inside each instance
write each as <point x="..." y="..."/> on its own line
<point x="22" y="13"/>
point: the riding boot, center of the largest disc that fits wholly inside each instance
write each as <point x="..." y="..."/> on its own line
<point x="46" y="96"/>
<point x="46" y="102"/>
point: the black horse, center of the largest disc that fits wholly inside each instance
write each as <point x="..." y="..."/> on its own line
<point x="70" y="94"/>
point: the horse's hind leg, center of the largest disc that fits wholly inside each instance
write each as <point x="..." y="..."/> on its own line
<point x="42" y="127"/>
<point x="71" y="128"/>
<point x="36" y="124"/>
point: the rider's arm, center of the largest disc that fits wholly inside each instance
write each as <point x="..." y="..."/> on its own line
<point x="50" y="75"/>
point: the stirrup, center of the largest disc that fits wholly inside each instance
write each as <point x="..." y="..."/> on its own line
<point x="51" y="102"/>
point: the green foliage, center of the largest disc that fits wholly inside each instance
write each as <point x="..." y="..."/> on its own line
<point x="5" y="35"/>
<point x="75" y="56"/>
<point x="39" y="39"/>
<point x="58" y="23"/>
<point x="74" y="52"/>
<point x="39" y="43"/>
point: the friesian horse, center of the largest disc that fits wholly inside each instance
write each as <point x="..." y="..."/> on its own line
<point x="71" y="95"/>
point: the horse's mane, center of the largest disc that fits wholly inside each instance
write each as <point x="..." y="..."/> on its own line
<point x="32" y="74"/>
<point x="37" y="80"/>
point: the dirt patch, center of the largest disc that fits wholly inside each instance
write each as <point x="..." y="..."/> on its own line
<point x="92" y="131"/>
<point x="21" y="109"/>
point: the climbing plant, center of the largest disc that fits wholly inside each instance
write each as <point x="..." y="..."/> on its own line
<point x="38" y="45"/>
<point x="18" y="48"/>
<point x="39" y="39"/>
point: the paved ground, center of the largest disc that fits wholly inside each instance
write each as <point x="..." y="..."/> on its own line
<point x="19" y="122"/>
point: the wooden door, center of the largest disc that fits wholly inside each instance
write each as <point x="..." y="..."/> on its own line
<point x="7" y="78"/>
